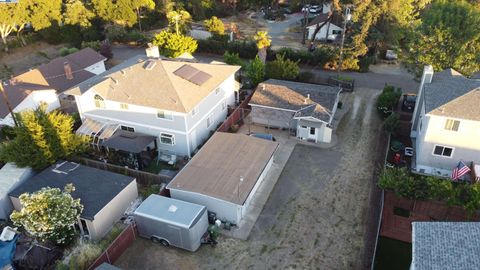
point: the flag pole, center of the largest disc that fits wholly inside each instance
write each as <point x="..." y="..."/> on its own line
<point x="7" y="102"/>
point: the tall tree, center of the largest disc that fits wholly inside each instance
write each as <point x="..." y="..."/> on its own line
<point x="77" y="14"/>
<point x="123" y="12"/>
<point x="263" y="41"/>
<point x="448" y="37"/>
<point x="179" y="21"/>
<point x="41" y="139"/>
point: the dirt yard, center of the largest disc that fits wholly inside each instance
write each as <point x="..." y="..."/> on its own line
<point x="22" y="59"/>
<point x="315" y="216"/>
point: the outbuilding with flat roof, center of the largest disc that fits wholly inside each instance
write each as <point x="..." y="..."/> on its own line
<point x="224" y="174"/>
<point x="104" y="195"/>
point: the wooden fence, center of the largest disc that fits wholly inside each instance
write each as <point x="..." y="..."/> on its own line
<point x="117" y="247"/>
<point x="237" y="115"/>
<point x="143" y="178"/>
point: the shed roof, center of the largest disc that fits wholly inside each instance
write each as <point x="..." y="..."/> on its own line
<point x="313" y="100"/>
<point x="168" y="210"/>
<point x="217" y="168"/>
<point x="95" y="188"/>
<point x="10" y="175"/>
<point x="450" y="94"/>
<point x="445" y="245"/>
<point x="161" y="87"/>
<point x="49" y="76"/>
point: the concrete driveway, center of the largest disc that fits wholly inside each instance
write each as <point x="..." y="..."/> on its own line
<point x="315" y="216"/>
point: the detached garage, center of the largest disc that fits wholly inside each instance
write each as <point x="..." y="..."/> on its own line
<point x="224" y="174"/>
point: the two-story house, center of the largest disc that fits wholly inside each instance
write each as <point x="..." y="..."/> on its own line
<point x="179" y="103"/>
<point x="446" y="122"/>
<point x="47" y="82"/>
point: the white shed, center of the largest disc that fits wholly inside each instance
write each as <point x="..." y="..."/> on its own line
<point x="10" y="177"/>
<point x="225" y="174"/>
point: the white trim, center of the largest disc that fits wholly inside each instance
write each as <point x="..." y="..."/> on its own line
<point x="310" y="118"/>
<point x="187" y="136"/>
<point x="444" y="146"/>
<point x="119" y="121"/>
<point x="276" y="108"/>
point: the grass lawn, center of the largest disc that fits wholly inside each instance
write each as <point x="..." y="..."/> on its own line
<point x="155" y="167"/>
<point x="393" y="254"/>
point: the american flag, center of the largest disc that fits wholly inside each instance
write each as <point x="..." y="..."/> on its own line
<point x="460" y="170"/>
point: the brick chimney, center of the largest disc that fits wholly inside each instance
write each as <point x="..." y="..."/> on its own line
<point x="68" y="70"/>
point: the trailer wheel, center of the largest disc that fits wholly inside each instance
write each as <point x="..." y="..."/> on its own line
<point x="164" y="243"/>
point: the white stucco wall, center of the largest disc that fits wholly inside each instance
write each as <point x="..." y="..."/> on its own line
<point x="323" y="31"/>
<point x="31" y="102"/>
<point x="96" y="68"/>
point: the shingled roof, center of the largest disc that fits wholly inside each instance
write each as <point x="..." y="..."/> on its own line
<point x="450" y="94"/>
<point x="49" y="76"/>
<point x="445" y="245"/>
<point x="160" y="87"/>
<point x="313" y="100"/>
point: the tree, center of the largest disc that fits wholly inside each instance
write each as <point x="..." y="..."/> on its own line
<point x="49" y="214"/>
<point x="448" y="37"/>
<point x="282" y="69"/>
<point x="124" y="12"/>
<point x="215" y="25"/>
<point x="263" y="41"/>
<point x="391" y="123"/>
<point x="388" y="99"/>
<point x="179" y="21"/>
<point x="77" y="14"/>
<point x="256" y="71"/>
<point x="41" y="139"/>
<point x="173" y="44"/>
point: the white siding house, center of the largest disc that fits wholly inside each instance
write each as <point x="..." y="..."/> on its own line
<point x="446" y="122"/>
<point x="333" y="27"/>
<point x="153" y="96"/>
<point x="47" y="82"/>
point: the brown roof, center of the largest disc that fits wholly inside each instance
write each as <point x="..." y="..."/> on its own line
<point x="160" y="87"/>
<point x="217" y="168"/>
<point x="313" y="100"/>
<point x="50" y="76"/>
<point x="336" y="19"/>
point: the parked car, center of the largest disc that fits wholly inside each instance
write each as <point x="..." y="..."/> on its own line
<point x="305" y="8"/>
<point x="408" y="103"/>
<point x="315" y="9"/>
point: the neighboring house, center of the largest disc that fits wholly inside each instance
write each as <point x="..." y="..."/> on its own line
<point x="225" y="174"/>
<point x="305" y="108"/>
<point x="48" y="81"/>
<point x="445" y="245"/>
<point x="10" y="177"/>
<point x="333" y="27"/>
<point x="446" y="122"/>
<point x="104" y="195"/>
<point x="180" y="103"/>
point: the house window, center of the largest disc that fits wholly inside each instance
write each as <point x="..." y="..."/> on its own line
<point x="124" y="106"/>
<point x="166" y="138"/>
<point x="312" y="131"/>
<point x="452" y="125"/>
<point x="217" y="91"/>
<point x="209" y="120"/>
<point x="443" y="151"/>
<point x="165" y="115"/>
<point x="99" y="102"/>
<point x="194" y="111"/>
<point x="224" y="105"/>
<point x="131" y="129"/>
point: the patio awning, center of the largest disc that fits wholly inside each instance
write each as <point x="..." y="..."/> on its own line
<point x="132" y="142"/>
<point x="96" y="129"/>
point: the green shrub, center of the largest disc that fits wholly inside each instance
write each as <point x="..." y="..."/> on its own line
<point x="388" y="99"/>
<point x="245" y="49"/>
<point x="365" y="63"/>
<point x="282" y="69"/>
<point x="173" y="45"/>
<point x="96" y="44"/>
<point x="391" y="123"/>
<point x="256" y="71"/>
<point x="233" y="59"/>
<point x="66" y="51"/>
<point x="210" y="46"/>
<point x="215" y="26"/>
<point x="115" y="32"/>
<point x="319" y="57"/>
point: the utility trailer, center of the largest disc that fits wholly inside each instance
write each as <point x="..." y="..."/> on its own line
<point x="172" y="222"/>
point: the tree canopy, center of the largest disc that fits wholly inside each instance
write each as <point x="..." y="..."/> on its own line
<point x="49" y="214"/>
<point x="41" y="139"/>
<point x="173" y="44"/>
<point x="179" y="21"/>
<point x="448" y="37"/>
<point x="215" y="26"/>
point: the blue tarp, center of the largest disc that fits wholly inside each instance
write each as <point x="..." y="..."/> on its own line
<point x="7" y="250"/>
<point x="263" y="136"/>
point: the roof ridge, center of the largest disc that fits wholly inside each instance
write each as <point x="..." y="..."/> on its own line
<point x="172" y="85"/>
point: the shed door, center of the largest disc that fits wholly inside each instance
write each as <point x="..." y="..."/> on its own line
<point x="312" y="133"/>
